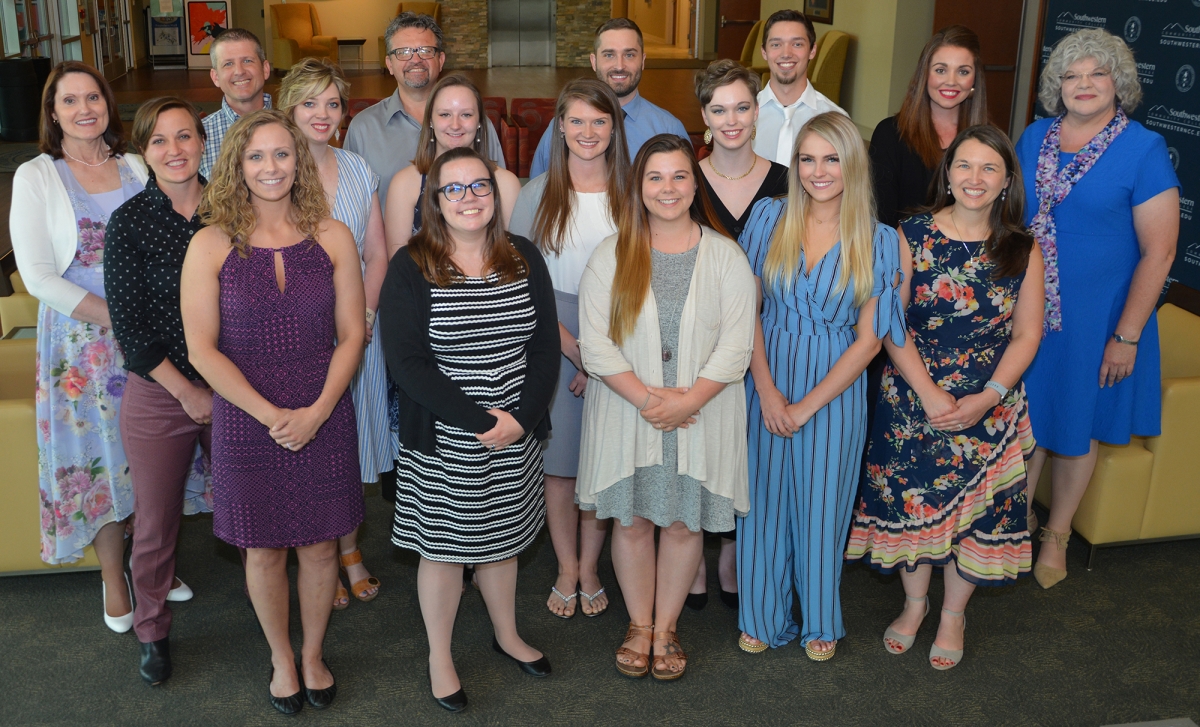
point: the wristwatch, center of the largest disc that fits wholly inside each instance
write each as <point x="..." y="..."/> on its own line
<point x="997" y="387"/>
<point x="1121" y="339"/>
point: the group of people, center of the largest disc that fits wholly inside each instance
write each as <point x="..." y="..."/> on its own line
<point x="632" y="336"/>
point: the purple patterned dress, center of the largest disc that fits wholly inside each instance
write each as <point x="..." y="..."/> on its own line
<point x="265" y="496"/>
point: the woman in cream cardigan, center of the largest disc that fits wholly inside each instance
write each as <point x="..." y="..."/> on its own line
<point x="667" y="343"/>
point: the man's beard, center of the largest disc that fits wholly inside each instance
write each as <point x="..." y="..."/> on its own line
<point x="422" y="83"/>
<point x="629" y="87"/>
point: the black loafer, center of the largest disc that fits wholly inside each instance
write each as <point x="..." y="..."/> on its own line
<point x="539" y="668"/>
<point x="156" y="662"/>
<point x="729" y="598"/>
<point x="696" y="601"/>
<point x="456" y="702"/>
<point x="320" y="698"/>
<point x="285" y="705"/>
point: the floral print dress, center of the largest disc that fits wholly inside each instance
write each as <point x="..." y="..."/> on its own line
<point x="929" y="496"/>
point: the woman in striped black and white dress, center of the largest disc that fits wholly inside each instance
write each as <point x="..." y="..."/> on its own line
<point x="471" y="338"/>
<point x="314" y="95"/>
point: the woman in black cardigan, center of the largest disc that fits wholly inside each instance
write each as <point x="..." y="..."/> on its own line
<point x="471" y="338"/>
<point x="946" y="94"/>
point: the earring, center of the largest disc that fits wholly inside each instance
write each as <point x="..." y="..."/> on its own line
<point x="708" y="136"/>
<point x="753" y="132"/>
<point x="337" y="134"/>
<point x="949" y="190"/>
<point x="1003" y="194"/>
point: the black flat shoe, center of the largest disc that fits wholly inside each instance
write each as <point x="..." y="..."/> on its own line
<point x="456" y="702"/>
<point x="696" y="601"/>
<point x="156" y="662"/>
<point x="319" y="698"/>
<point x="539" y="668"/>
<point x="729" y="598"/>
<point x="286" y="705"/>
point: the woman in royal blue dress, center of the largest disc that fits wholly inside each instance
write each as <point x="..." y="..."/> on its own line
<point x="1104" y="206"/>
<point x="945" y="470"/>
<point x="829" y="274"/>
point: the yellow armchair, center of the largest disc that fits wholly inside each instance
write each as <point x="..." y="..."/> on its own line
<point x="826" y="69"/>
<point x="18" y="309"/>
<point x="432" y="9"/>
<point x="1147" y="490"/>
<point x="296" y="34"/>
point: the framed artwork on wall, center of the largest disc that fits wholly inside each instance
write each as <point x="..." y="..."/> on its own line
<point x="206" y="20"/>
<point x="819" y="11"/>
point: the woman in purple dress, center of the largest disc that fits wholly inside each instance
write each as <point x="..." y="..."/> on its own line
<point x="272" y="300"/>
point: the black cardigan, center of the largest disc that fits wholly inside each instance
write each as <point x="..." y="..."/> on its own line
<point x="901" y="178"/>
<point x="426" y="394"/>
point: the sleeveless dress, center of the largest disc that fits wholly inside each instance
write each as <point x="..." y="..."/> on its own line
<point x="466" y="503"/>
<point x="933" y="497"/>
<point x="265" y="496"/>
<point x="352" y="206"/>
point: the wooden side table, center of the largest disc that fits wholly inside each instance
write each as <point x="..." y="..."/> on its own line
<point x="355" y="43"/>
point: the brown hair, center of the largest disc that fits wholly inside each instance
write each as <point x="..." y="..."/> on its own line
<point x="232" y="35"/>
<point x="50" y="133"/>
<point x="1009" y="241"/>
<point x="431" y="248"/>
<point x="632" y="282"/>
<point x="915" y="120"/>
<point x="789" y="16"/>
<point x="617" y="24"/>
<point x="558" y="199"/>
<point x="147" y="118"/>
<point x="722" y="73"/>
<point x="226" y="201"/>
<point x="427" y="144"/>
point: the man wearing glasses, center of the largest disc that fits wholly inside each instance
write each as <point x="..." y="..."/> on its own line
<point x="386" y="134"/>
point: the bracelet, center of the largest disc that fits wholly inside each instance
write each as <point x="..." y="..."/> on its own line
<point x="647" y="401"/>
<point x="1121" y="339"/>
<point x="997" y="387"/>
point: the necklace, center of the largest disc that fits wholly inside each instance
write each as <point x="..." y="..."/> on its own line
<point x="726" y="176"/>
<point x="73" y="158"/>
<point x="958" y="232"/>
<point x="666" y="350"/>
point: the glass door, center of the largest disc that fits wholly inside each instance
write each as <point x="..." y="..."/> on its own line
<point x="110" y="32"/>
<point x="68" y="30"/>
<point x="10" y="38"/>
<point x="33" y="28"/>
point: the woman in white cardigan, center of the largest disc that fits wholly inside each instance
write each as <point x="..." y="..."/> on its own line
<point x="667" y="343"/>
<point x="60" y="207"/>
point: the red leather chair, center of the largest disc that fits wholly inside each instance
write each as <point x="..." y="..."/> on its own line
<point x="495" y="108"/>
<point x="511" y="137"/>
<point x="534" y="115"/>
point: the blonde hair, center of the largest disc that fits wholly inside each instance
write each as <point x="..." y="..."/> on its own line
<point x="857" y="224"/>
<point x="308" y="79"/>
<point x="1108" y="51"/>
<point x="226" y="202"/>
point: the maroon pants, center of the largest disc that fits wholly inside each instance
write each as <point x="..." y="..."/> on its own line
<point x="160" y="440"/>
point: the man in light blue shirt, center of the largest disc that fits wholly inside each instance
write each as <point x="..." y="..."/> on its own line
<point x="240" y="69"/>
<point x="618" y="61"/>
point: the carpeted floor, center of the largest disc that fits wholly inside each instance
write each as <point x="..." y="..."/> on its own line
<point x="1118" y="644"/>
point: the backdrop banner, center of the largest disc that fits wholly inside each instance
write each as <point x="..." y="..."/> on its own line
<point x="1165" y="38"/>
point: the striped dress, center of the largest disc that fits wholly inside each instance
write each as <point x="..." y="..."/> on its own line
<point x="802" y="488"/>
<point x="352" y="206"/>
<point x="468" y="504"/>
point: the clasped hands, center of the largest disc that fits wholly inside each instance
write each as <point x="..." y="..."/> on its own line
<point x="506" y="431"/>
<point x="669" y="409"/>
<point x="947" y="414"/>
<point x="781" y="418"/>
<point x="295" y="428"/>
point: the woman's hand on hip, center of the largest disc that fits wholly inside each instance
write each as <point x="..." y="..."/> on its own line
<point x="295" y="428"/>
<point x="775" y="413"/>
<point x="671" y="411"/>
<point x="578" y="384"/>
<point x="506" y="431"/>
<point x="1117" y="363"/>
<point x="197" y="404"/>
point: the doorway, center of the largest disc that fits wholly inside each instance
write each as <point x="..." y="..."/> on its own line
<point x="669" y="27"/>
<point x="521" y="32"/>
<point x="736" y="18"/>
<point x="111" y="29"/>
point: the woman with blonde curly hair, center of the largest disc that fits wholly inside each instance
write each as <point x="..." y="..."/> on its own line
<point x="1108" y="248"/>
<point x="272" y="301"/>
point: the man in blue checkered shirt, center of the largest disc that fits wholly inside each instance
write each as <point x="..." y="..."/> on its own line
<point x="240" y="69"/>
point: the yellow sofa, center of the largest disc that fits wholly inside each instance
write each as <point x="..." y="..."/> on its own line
<point x="18" y="309"/>
<point x="1149" y="489"/>
<point x="432" y="9"/>
<point x="296" y="34"/>
<point x="20" y="538"/>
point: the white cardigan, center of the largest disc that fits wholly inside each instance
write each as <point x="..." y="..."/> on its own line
<point x="716" y="338"/>
<point x="43" y="230"/>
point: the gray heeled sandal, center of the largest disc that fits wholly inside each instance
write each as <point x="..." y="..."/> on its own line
<point x="905" y="640"/>
<point x="953" y="656"/>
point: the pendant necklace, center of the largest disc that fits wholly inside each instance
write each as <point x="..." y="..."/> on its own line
<point x="666" y="352"/>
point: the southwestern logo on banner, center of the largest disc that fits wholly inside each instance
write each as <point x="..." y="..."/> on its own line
<point x="1165" y="38"/>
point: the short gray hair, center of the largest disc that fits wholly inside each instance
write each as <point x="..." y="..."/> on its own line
<point x="412" y="20"/>
<point x="1108" y="51"/>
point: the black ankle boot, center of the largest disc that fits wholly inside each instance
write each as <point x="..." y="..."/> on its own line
<point x="156" y="662"/>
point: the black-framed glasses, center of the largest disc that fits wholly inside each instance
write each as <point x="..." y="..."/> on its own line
<point x="425" y="52"/>
<point x="455" y="192"/>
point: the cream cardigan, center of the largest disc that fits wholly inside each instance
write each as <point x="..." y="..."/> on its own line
<point x="716" y="337"/>
<point x="44" y="234"/>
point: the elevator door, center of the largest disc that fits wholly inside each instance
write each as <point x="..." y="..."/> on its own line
<point x="520" y="32"/>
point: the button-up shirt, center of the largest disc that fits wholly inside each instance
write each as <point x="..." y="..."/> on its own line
<point x="144" y="246"/>
<point x="387" y="137"/>
<point x="216" y="125"/>
<point x="643" y="120"/>
<point x="772" y="115"/>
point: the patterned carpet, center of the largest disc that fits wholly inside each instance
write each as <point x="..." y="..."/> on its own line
<point x="1117" y="644"/>
<point x="15" y="154"/>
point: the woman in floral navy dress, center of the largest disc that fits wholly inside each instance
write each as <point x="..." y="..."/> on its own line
<point x="944" y="483"/>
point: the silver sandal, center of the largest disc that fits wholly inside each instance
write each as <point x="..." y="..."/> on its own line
<point x="565" y="599"/>
<point x="591" y="598"/>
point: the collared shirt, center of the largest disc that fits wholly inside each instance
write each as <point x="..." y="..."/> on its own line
<point x="216" y="125"/>
<point x="387" y="137"/>
<point x="144" y="246"/>
<point x="772" y="115"/>
<point x="643" y="120"/>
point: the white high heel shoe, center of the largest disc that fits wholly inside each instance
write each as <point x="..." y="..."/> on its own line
<point x="182" y="593"/>
<point x="119" y="624"/>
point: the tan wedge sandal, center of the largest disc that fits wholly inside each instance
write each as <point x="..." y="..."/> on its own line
<point x="634" y="631"/>
<point x="359" y="588"/>
<point x="1049" y="576"/>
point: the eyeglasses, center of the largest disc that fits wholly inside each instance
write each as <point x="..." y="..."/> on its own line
<point x="1070" y="79"/>
<point x="455" y="192"/>
<point x="425" y="52"/>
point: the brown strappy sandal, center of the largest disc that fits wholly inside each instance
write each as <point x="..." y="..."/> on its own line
<point x="359" y="588"/>
<point x="661" y="671"/>
<point x="341" y="598"/>
<point x="629" y="670"/>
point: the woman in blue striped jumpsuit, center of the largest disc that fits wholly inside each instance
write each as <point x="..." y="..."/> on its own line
<point x="828" y="273"/>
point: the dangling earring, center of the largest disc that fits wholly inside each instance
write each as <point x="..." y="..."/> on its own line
<point x="949" y="190"/>
<point x="1004" y="194"/>
<point x="753" y="132"/>
<point x="337" y="134"/>
<point x="707" y="136"/>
